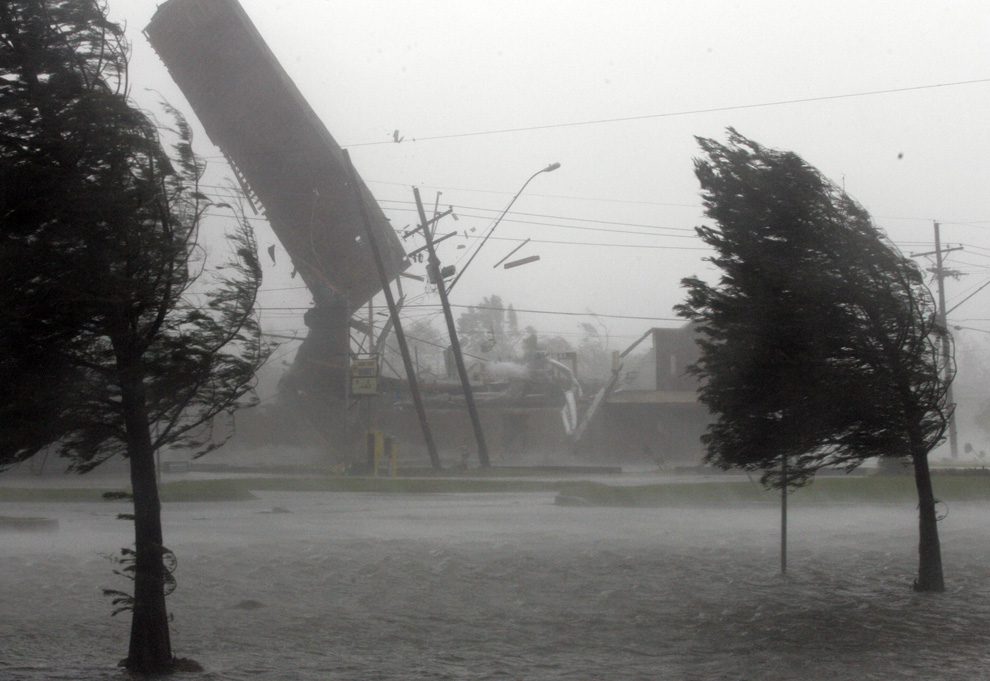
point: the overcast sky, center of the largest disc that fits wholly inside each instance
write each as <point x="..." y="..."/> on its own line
<point x="615" y="92"/>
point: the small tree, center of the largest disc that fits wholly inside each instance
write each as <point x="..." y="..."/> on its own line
<point x="490" y="328"/>
<point x="112" y="343"/>
<point x="820" y="344"/>
<point x="594" y="357"/>
<point x="427" y="346"/>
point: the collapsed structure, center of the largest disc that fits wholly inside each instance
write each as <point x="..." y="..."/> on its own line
<point x="286" y="161"/>
<point x="291" y="168"/>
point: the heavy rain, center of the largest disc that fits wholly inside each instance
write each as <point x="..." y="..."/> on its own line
<point x="494" y="340"/>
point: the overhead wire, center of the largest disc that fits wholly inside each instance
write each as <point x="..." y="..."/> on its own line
<point x="672" y="114"/>
<point x="400" y="206"/>
<point x="567" y="314"/>
<point x="978" y="224"/>
<point x="434" y="306"/>
<point x="539" y="195"/>
<point x="461" y="214"/>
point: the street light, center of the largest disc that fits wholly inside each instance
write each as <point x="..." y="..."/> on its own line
<point x="443" y="290"/>
<point x="549" y="169"/>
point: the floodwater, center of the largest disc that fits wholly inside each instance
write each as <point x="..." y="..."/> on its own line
<point x="509" y="586"/>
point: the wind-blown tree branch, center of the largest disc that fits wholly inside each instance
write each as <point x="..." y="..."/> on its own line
<point x="118" y="336"/>
<point x="820" y="343"/>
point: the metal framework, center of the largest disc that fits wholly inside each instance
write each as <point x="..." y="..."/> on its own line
<point x="284" y="157"/>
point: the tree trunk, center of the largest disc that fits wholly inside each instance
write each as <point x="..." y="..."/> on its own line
<point x="930" y="577"/>
<point x="150" y="650"/>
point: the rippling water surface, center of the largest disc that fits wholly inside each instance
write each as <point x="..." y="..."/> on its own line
<point x="507" y="587"/>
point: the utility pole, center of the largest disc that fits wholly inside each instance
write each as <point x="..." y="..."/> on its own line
<point x="455" y="344"/>
<point x="396" y="322"/>
<point x="940" y="277"/>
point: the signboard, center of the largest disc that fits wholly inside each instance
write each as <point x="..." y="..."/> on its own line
<point x="364" y="367"/>
<point x="364" y="376"/>
<point x="364" y="385"/>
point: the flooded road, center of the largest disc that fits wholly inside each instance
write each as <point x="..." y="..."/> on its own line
<point x="355" y="586"/>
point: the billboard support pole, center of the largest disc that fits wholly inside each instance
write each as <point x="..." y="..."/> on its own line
<point x="396" y="322"/>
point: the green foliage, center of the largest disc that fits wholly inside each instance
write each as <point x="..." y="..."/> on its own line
<point x="51" y="57"/>
<point x="101" y="277"/>
<point x="120" y="335"/>
<point x="125" y="565"/>
<point x="820" y="341"/>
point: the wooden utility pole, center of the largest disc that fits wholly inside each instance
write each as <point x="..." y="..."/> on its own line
<point x="455" y="344"/>
<point x="940" y="277"/>
<point x="396" y="322"/>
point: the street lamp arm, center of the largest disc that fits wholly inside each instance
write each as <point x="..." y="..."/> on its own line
<point x="549" y="169"/>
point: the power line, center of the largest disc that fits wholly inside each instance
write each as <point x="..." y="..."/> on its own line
<point x="980" y="266"/>
<point x="535" y="194"/>
<point x="592" y="244"/>
<point x="287" y="288"/>
<point x="972" y="223"/>
<point x="558" y="225"/>
<point x="586" y="229"/>
<point x="433" y="306"/>
<point x="460" y="213"/>
<point x="603" y="245"/>
<point x="972" y="247"/>
<point x="672" y="114"/>
<point x="565" y="314"/>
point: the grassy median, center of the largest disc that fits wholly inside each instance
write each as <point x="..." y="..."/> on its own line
<point x="729" y="491"/>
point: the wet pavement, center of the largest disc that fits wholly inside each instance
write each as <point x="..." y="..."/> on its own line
<point x="506" y="586"/>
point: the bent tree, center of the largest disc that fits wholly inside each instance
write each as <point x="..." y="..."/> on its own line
<point x="120" y="335"/>
<point x="820" y="342"/>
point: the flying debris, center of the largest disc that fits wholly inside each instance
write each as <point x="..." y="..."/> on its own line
<point x="510" y="254"/>
<point x="522" y="261"/>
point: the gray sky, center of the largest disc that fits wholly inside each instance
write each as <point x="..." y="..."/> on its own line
<point x="619" y="211"/>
